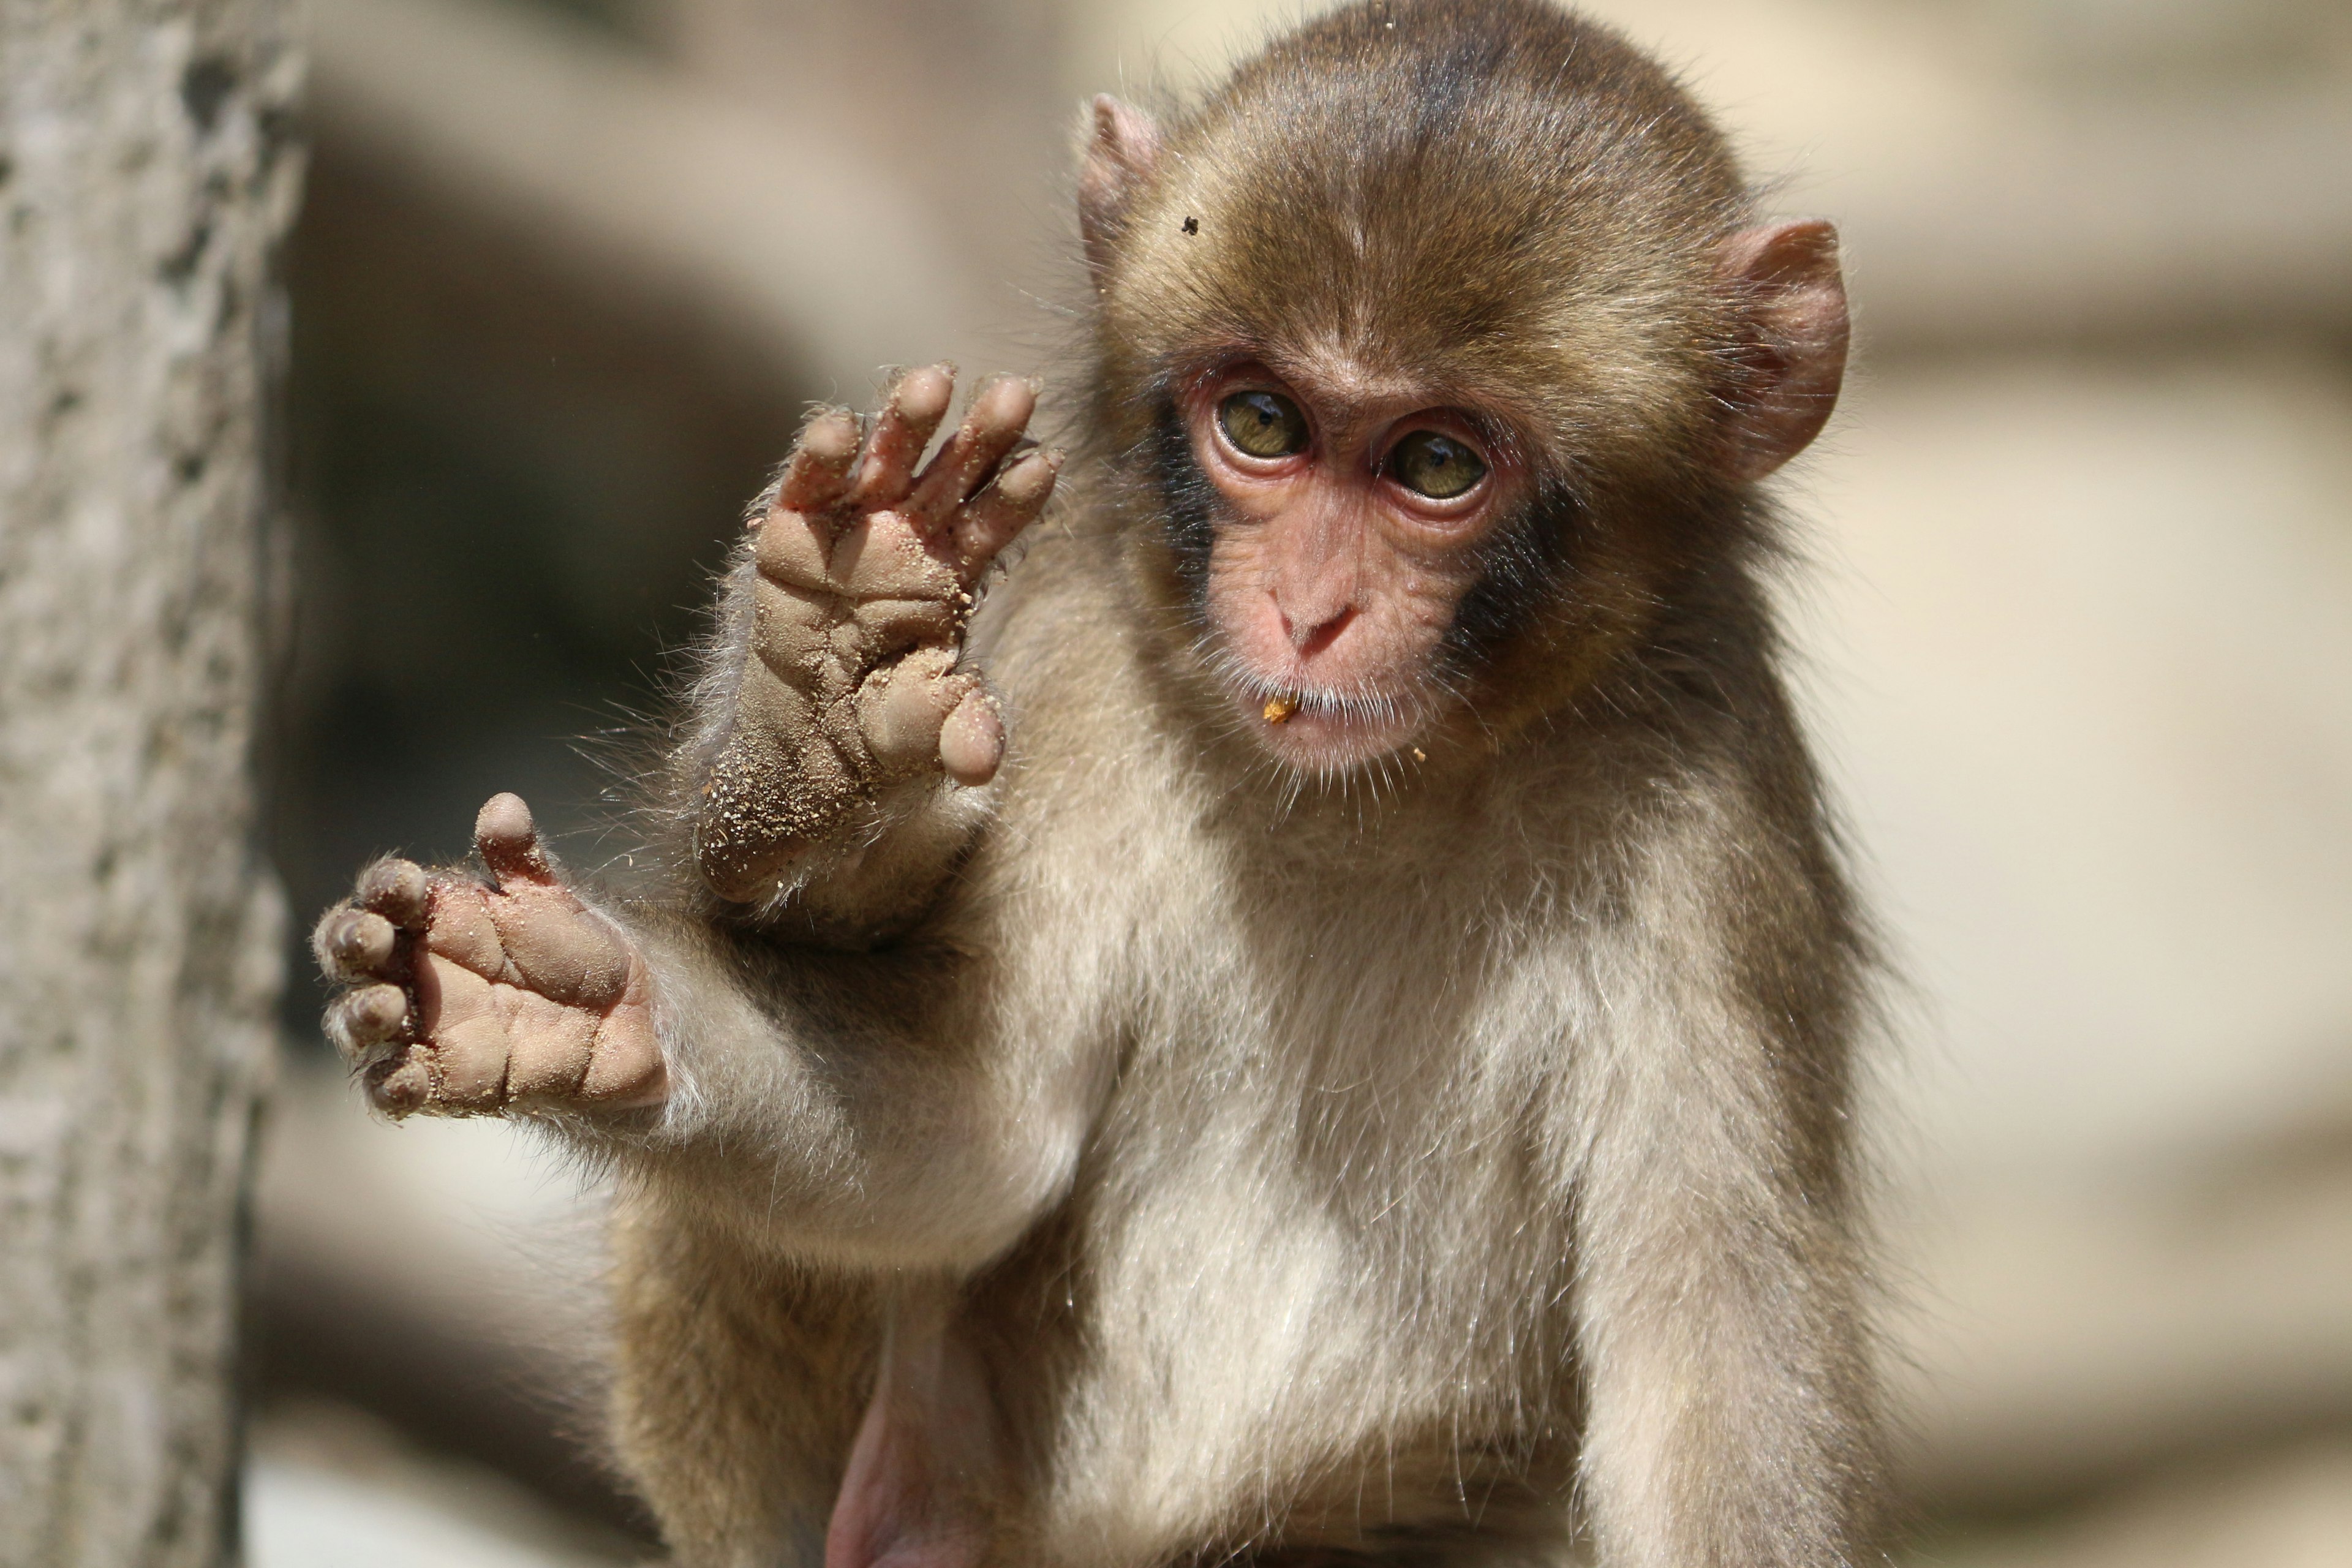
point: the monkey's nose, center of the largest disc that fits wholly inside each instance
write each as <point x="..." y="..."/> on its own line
<point x="1311" y="637"/>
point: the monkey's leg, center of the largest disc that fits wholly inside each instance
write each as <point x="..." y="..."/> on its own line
<point x="471" y="996"/>
<point x="738" y="1387"/>
<point x="737" y="1406"/>
<point x="841" y="695"/>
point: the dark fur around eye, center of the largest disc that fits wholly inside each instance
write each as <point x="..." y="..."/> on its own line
<point x="1526" y="563"/>
<point x="1192" y="500"/>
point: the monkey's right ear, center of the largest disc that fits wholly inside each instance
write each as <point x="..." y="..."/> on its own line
<point x="1122" y="149"/>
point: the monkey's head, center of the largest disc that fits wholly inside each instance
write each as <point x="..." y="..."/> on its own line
<point x="1445" y="335"/>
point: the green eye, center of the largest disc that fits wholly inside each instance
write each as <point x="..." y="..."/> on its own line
<point x="1435" y="466"/>
<point x="1263" y="424"/>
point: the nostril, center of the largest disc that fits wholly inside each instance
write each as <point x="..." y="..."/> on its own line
<point x="1319" y="637"/>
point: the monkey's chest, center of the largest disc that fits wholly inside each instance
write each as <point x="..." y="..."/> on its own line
<point x="1267" y="1254"/>
<point x="1364" y="1183"/>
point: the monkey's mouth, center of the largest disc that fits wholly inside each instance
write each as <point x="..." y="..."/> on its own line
<point x="1324" y="729"/>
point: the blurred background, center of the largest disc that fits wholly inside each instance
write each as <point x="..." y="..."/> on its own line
<point x="2076" y="626"/>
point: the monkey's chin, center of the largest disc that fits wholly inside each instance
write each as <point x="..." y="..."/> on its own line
<point x="1317" y="733"/>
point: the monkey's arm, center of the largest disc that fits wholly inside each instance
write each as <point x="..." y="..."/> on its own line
<point x="856" y="1106"/>
<point x="835" y="706"/>
<point x="887" y="1108"/>
<point x="1730" y="1419"/>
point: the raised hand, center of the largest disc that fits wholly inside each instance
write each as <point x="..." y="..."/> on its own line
<point x="851" y="678"/>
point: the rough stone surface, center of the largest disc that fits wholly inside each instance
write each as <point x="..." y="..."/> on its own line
<point x="145" y="175"/>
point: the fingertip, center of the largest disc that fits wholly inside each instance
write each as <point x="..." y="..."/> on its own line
<point x="354" y="942"/>
<point x="921" y="395"/>
<point x="832" y="438"/>
<point x="399" y="1088"/>
<point x="397" y="890"/>
<point x="972" y="741"/>
<point x="362" y="1020"/>
<point x="1030" y="480"/>
<point x="1005" y="400"/>
<point x="503" y="819"/>
<point x="819" y="466"/>
<point x="379" y="1011"/>
<point x="508" y="839"/>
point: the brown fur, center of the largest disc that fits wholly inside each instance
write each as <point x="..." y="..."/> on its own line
<point x="1440" y="1162"/>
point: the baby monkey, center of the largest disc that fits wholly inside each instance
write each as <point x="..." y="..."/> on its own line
<point x="1313" y="1025"/>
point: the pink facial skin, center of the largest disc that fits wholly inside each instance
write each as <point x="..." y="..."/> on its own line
<point x="1331" y="584"/>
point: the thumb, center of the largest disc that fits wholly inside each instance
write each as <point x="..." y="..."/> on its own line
<point x="508" y="841"/>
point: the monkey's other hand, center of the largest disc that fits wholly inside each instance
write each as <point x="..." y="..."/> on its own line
<point x="469" y="996"/>
<point x="866" y="570"/>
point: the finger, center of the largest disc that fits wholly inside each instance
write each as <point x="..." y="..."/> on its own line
<point x="362" y="1023"/>
<point x="818" y="470"/>
<point x="1004" y="508"/>
<point x="394" y="888"/>
<point x="399" y="1085"/>
<point x="989" y="430"/>
<point x="901" y="431"/>
<point x="355" y="945"/>
<point x="508" y="841"/>
<point x="972" y="742"/>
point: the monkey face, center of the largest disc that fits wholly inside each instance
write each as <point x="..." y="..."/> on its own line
<point x="1353" y="510"/>
<point x="1449" y="416"/>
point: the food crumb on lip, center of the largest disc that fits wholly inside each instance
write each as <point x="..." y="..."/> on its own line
<point x="1278" y="708"/>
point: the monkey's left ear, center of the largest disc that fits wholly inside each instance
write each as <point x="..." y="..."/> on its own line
<point x="1122" y="147"/>
<point x="1787" y="277"/>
